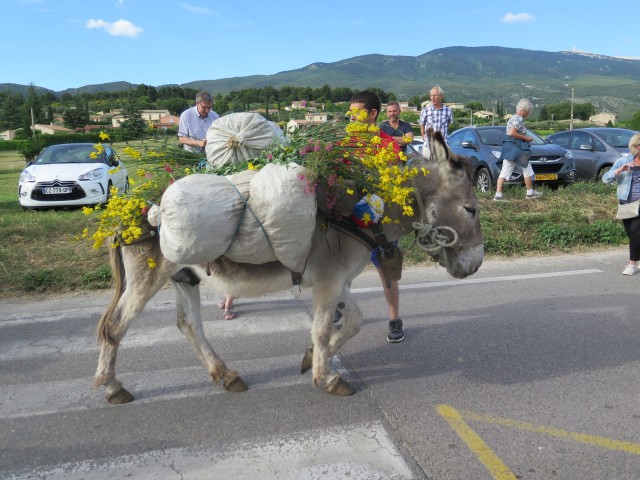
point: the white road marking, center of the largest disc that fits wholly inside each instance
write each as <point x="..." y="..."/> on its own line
<point x="45" y="398"/>
<point x="358" y="452"/>
<point x="469" y="281"/>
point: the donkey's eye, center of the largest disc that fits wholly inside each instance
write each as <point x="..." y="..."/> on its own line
<point x="472" y="211"/>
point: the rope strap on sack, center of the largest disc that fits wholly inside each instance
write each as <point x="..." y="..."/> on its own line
<point x="246" y="207"/>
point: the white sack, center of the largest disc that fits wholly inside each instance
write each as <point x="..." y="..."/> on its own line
<point x="199" y="216"/>
<point x="203" y="217"/>
<point x="239" y="137"/>
<point x="286" y="211"/>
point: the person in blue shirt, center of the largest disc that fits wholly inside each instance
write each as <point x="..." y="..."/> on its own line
<point x="399" y="130"/>
<point x="626" y="171"/>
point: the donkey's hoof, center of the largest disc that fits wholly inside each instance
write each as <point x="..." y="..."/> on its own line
<point x="119" y="397"/>
<point x="339" y="386"/>
<point x="307" y="360"/>
<point x="235" y="385"/>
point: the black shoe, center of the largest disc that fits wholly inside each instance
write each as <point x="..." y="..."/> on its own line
<point x="396" y="332"/>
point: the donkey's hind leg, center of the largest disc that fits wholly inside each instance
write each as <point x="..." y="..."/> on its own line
<point x="130" y="296"/>
<point x="186" y="283"/>
<point x="115" y="324"/>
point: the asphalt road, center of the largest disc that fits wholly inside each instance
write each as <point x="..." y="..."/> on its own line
<point x="526" y="370"/>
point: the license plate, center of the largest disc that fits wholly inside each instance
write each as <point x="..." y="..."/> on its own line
<point x="546" y="176"/>
<point x="56" y="190"/>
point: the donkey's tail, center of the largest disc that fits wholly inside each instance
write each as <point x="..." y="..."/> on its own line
<point x="117" y="273"/>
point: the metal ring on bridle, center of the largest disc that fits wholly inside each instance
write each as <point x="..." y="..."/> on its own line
<point x="431" y="239"/>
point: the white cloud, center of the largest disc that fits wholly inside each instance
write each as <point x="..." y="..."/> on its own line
<point x="198" y="10"/>
<point x="120" y="28"/>
<point x="518" y="18"/>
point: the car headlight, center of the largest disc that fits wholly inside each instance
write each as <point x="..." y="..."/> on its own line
<point x="96" y="174"/>
<point x="496" y="153"/>
<point x="26" y="176"/>
<point x="568" y="155"/>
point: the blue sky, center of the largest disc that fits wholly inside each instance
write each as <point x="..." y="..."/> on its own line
<point x="60" y="44"/>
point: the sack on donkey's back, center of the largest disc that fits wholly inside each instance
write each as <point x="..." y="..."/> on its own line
<point x="250" y="217"/>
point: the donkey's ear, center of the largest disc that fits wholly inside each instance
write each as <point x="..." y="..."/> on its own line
<point x="439" y="150"/>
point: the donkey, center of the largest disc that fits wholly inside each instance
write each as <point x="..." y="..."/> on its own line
<point x="448" y="208"/>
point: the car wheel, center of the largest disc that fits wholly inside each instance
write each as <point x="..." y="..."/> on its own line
<point x="602" y="171"/>
<point x="483" y="180"/>
<point x="109" y="185"/>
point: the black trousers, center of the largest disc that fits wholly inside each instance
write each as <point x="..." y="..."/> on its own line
<point x="632" y="227"/>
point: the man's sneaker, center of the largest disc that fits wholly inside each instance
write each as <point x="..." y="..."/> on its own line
<point x="534" y="194"/>
<point x="499" y="198"/>
<point x="396" y="332"/>
<point x="630" y="270"/>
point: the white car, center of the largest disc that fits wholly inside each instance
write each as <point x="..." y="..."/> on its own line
<point x="71" y="174"/>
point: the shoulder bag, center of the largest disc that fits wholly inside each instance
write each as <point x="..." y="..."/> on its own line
<point x="627" y="210"/>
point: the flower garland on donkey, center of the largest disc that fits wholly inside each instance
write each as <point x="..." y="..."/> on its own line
<point x="350" y="167"/>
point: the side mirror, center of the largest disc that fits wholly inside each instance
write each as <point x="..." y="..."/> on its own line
<point x="587" y="147"/>
<point x="468" y="144"/>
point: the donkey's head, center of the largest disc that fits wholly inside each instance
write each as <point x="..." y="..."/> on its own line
<point x="448" y="211"/>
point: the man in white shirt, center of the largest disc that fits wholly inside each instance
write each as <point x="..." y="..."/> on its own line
<point x="195" y="121"/>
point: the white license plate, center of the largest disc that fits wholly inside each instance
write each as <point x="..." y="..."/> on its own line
<point x="56" y="190"/>
<point x="546" y="176"/>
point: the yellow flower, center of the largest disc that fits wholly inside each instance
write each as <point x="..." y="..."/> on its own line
<point x="350" y="191"/>
<point x="151" y="262"/>
<point x="104" y="136"/>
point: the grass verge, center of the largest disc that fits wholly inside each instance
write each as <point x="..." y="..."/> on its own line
<point x="41" y="251"/>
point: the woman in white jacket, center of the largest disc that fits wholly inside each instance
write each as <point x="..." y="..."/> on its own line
<point x="626" y="171"/>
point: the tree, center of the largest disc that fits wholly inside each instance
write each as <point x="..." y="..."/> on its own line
<point x="11" y="111"/>
<point x="475" y="106"/>
<point x="176" y="105"/>
<point x="133" y="124"/>
<point x="75" y="117"/>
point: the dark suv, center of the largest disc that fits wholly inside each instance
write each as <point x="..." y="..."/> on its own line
<point x="552" y="164"/>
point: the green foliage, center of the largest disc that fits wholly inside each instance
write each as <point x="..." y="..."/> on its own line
<point x="31" y="148"/>
<point x="133" y="124"/>
<point x="75" y="118"/>
<point x="97" y="279"/>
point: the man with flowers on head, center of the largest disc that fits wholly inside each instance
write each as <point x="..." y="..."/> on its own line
<point x="369" y="104"/>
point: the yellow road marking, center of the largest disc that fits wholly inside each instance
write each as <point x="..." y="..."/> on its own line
<point x="495" y="466"/>
<point x="608" y="443"/>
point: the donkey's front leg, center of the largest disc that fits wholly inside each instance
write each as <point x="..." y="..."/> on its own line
<point x="323" y="313"/>
<point x="186" y="283"/>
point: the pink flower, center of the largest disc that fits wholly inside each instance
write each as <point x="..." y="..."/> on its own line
<point x="311" y="187"/>
<point x="269" y="156"/>
<point x="168" y="168"/>
<point x="331" y="201"/>
<point x="331" y="181"/>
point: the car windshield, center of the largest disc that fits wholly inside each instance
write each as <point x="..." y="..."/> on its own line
<point x="69" y="154"/>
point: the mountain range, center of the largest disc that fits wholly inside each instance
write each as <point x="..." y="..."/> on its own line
<point x="486" y="74"/>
